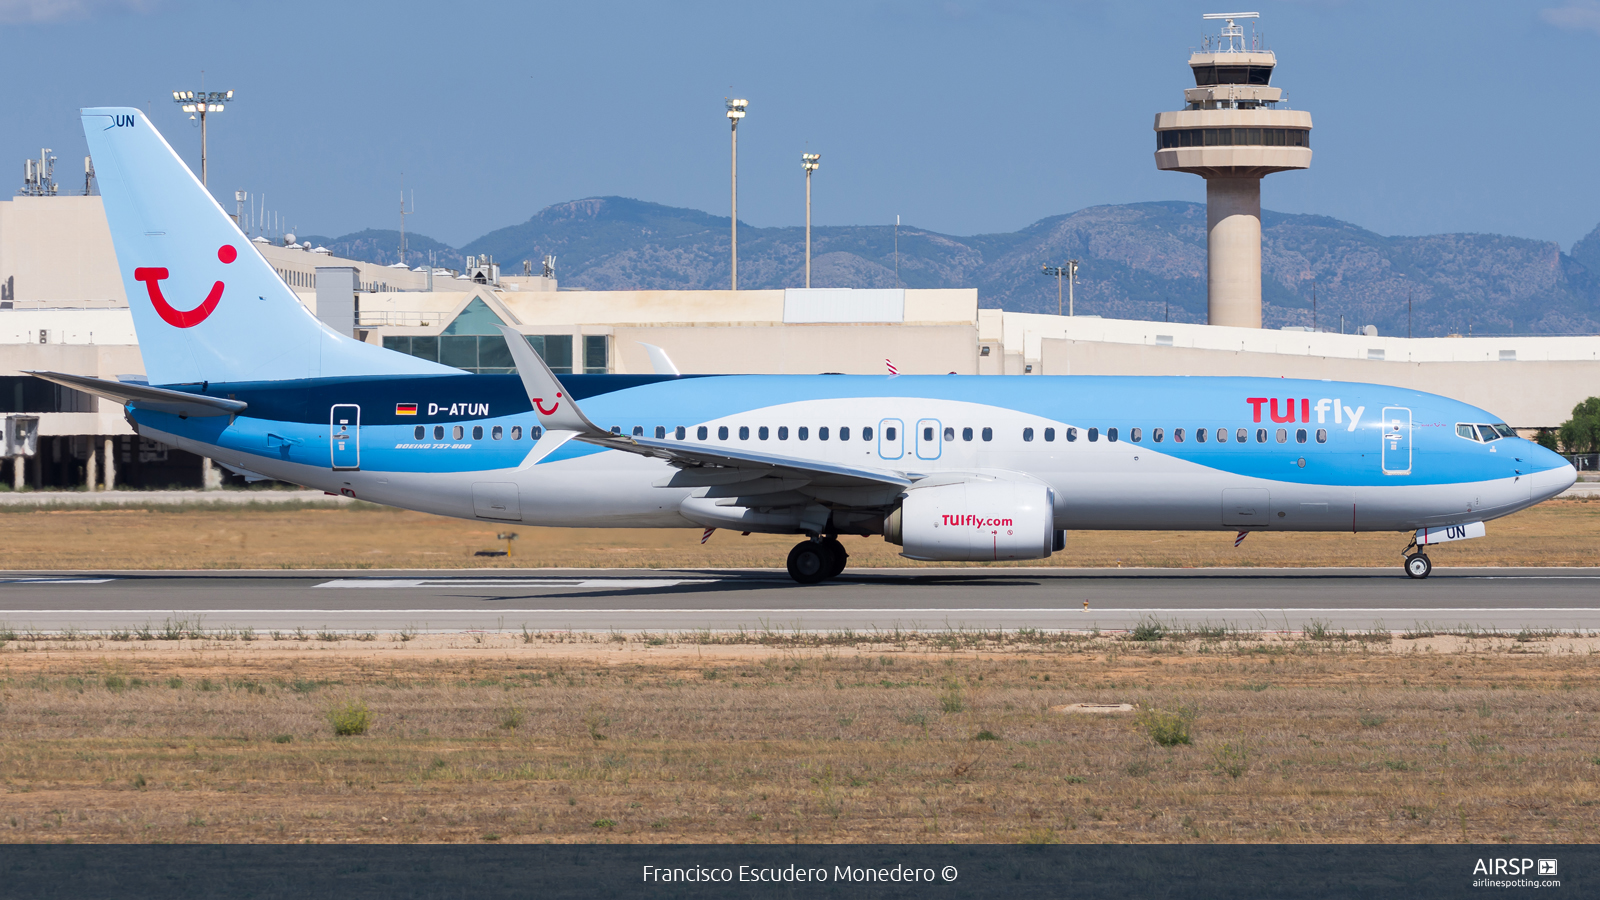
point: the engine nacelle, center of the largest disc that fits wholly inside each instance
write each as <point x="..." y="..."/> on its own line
<point x="975" y="521"/>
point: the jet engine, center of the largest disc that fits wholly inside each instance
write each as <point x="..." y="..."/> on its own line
<point x="970" y="521"/>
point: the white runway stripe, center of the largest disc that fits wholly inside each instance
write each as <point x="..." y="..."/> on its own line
<point x="56" y="580"/>
<point x="394" y="583"/>
<point x="823" y="609"/>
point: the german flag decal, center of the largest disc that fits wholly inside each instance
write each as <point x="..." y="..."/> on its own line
<point x="405" y="409"/>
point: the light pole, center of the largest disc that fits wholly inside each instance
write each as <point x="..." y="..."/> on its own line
<point x="809" y="162"/>
<point x="202" y="103"/>
<point x="1070" y="271"/>
<point x="736" y="110"/>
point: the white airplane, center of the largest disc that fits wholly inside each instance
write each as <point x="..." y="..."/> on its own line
<point x="947" y="467"/>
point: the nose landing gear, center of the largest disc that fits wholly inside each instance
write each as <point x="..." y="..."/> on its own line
<point x="1417" y="565"/>
<point x="811" y="561"/>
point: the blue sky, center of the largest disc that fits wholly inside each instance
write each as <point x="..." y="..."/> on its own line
<point x="965" y="116"/>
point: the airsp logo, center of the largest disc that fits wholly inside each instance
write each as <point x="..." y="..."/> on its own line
<point x="1500" y="866"/>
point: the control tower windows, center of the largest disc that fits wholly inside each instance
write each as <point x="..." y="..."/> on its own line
<point x="1205" y="76"/>
<point x="1233" y="137"/>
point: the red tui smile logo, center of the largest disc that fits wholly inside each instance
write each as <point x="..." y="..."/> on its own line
<point x="539" y="402"/>
<point x="183" y="318"/>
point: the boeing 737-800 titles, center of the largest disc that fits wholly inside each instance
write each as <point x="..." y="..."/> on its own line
<point x="948" y="467"/>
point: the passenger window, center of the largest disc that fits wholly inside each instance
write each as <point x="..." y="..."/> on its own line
<point x="516" y="432"/>
<point x="889" y="434"/>
<point x="1049" y="434"/>
<point x="1261" y="435"/>
<point x="616" y="429"/>
<point x="1242" y="435"/>
<point x="701" y="433"/>
<point x="661" y="431"/>
<point x="803" y="433"/>
<point x="1094" y="435"/>
<point x="1156" y="435"/>
<point x="638" y="431"/>
<point x="760" y="432"/>
<point x="988" y="434"/>
<point x="1299" y="435"/>
<point x="1072" y="434"/>
<point x="1488" y="433"/>
<point x="1222" y="435"/>
<point x="1322" y="435"/>
<point x="1466" y="431"/>
<point x="1283" y="435"/>
<point x="783" y="432"/>
<point x="966" y="434"/>
<point x="822" y="433"/>
<point x="477" y="432"/>
<point x="497" y="432"/>
<point x="744" y="432"/>
<point x="438" y="432"/>
<point x="949" y="434"/>
<point x="866" y="433"/>
<point x="1111" y="435"/>
<point x="844" y="432"/>
<point x="927" y="433"/>
<point x="1200" y="435"/>
<point x="1177" y="435"/>
<point x="1027" y="434"/>
<point x="457" y="432"/>
<point x="680" y="432"/>
<point x="422" y="432"/>
<point x="1135" y="435"/>
<point x="722" y="432"/>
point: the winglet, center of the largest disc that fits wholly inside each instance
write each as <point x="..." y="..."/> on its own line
<point x="556" y="409"/>
<point x="659" y="360"/>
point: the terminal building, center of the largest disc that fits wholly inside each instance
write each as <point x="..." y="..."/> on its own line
<point x="63" y="308"/>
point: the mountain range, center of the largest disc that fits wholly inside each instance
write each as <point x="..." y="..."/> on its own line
<point x="1136" y="261"/>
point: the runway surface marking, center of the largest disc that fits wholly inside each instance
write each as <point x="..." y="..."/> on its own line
<point x="56" y="580"/>
<point x="855" y="609"/>
<point x="395" y="583"/>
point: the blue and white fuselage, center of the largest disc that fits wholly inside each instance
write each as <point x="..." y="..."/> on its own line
<point x="948" y="467"/>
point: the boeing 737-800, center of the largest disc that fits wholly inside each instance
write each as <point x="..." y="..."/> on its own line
<point x="947" y="467"/>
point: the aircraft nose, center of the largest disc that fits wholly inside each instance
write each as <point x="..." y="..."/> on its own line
<point x="1550" y="482"/>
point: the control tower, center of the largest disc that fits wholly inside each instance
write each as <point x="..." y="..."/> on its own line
<point x="1231" y="132"/>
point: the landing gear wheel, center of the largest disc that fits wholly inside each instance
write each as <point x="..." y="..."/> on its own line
<point x="808" y="562"/>
<point x="837" y="557"/>
<point x="1418" y="565"/>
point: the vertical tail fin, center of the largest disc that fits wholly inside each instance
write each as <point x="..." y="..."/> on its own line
<point x="206" y="306"/>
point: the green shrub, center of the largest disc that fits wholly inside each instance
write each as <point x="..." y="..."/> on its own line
<point x="1148" y="630"/>
<point x="1581" y="433"/>
<point x="1232" y="760"/>
<point x="1166" y="727"/>
<point x="986" y="735"/>
<point x="349" y="718"/>
<point x="283" y="739"/>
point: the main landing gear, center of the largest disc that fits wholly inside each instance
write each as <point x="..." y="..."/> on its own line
<point x="812" y="561"/>
<point x="1417" y="563"/>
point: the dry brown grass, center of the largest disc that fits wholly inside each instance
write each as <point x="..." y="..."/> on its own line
<point x="494" y="737"/>
<point x="1557" y="533"/>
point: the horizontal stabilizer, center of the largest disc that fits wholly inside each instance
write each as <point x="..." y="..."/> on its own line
<point x="141" y="396"/>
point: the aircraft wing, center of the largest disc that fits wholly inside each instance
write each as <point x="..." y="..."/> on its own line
<point x="143" y="396"/>
<point x="558" y="412"/>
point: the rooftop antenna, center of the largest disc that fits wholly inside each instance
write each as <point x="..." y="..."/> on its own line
<point x="1232" y="34"/>
<point x="88" y="176"/>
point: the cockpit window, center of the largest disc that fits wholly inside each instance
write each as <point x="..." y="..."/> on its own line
<point x="1488" y="433"/>
<point x="1466" y="431"/>
<point x="1504" y="429"/>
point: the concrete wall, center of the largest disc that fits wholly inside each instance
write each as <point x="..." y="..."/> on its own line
<point x="58" y="248"/>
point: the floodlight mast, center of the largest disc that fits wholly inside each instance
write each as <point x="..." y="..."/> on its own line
<point x="202" y="104"/>
<point x="809" y="162"/>
<point x="736" y="110"/>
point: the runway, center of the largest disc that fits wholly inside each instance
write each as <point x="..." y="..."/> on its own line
<point x="863" y="600"/>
